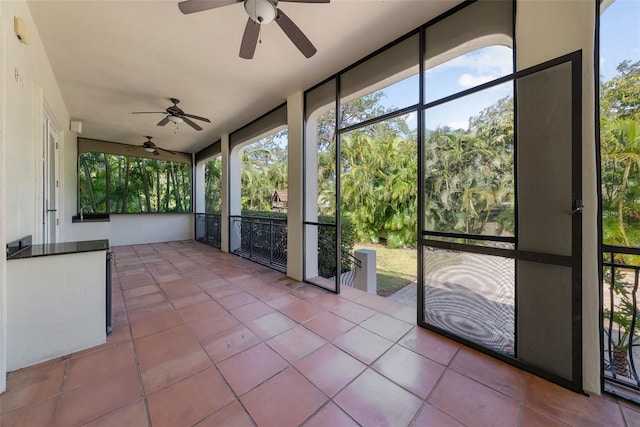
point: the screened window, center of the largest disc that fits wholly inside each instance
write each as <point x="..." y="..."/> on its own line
<point x="213" y="185"/>
<point x="112" y="183"/>
<point x="265" y="172"/>
<point x="469" y="176"/>
<point x="385" y="83"/>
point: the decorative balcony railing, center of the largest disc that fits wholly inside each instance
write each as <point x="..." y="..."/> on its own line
<point x="621" y="322"/>
<point x="208" y="229"/>
<point x="260" y="239"/>
<point x="350" y="267"/>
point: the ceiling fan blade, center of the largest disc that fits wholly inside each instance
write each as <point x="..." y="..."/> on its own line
<point x="163" y="121"/>
<point x="191" y="123"/>
<point x="156" y="152"/>
<point x="249" y="39"/>
<point x="168" y="151"/>
<point x="149" y="112"/>
<point x="193" y="6"/>
<point x="295" y="34"/>
<point x="306" y="1"/>
<point x="204" y="119"/>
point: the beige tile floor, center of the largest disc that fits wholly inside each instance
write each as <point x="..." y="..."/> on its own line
<point x="206" y="338"/>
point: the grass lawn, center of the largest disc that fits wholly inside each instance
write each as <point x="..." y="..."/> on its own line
<point x="395" y="267"/>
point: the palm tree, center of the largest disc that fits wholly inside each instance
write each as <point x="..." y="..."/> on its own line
<point x="621" y="182"/>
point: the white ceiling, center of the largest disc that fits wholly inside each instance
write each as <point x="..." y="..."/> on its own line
<point x="115" y="57"/>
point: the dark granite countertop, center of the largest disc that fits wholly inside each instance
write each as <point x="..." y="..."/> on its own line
<point x="61" y="249"/>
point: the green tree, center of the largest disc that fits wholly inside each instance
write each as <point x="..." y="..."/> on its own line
<point x="127" y="184"/>
<point x="620" y="155"/>
<point x="469" y="178"/>
<point x="379" y="185"/>
<point x="264" y="170"/>
<point x="213" y="185"/>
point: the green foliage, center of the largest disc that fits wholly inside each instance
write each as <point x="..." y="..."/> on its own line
<point x="264" y="170"/>
<point x="110" y="183"/>
<point x="624" y="311"/>
<point x="469" y="176"/>
<point x="327" y="245"/>
<point x="379" y="186"/>
<point x="213" y="185"/>
<point x="326" y="239"/>
<point x="620" y="156"/>
<point x="620" y="96"/>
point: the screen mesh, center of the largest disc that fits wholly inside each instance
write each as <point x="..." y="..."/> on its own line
<point x="472" y="296"/>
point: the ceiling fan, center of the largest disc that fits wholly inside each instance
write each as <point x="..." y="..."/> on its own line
<point x="176" y="115"/>
<point x="150" y="147"/>
<point x="260" y="12"/>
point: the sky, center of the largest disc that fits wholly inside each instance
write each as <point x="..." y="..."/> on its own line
<point x="619" y="36"/>
<point x="619" y="40"/>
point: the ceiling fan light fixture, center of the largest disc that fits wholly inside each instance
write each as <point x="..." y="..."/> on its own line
<point x="149" y="149"/>
<point x="261" y="11"/>
<point x="175" y="119"/>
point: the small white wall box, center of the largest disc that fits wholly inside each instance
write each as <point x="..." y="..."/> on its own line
<point x="75" y="126"/>
<point x="20" y="28"/>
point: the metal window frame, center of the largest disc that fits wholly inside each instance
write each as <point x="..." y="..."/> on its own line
<point x="574" y="261"/>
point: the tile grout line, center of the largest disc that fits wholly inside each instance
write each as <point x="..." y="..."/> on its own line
<point x="136" y="360"/>
<point x="214" y="365"/>
<point x="59" y="399"/>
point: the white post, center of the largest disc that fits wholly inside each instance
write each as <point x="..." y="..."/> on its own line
<point x="295" y="122"/>
<point x="311" y="198"/>
<point x="365" y="279"/>
<point x="199" y="205"/>
<point x="230" y="203"/>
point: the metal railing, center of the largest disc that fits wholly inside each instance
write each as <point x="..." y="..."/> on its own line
<point x="350" y="267"/>
<point x="621" y="317"/>
<point x="326" y="256"/>
<point x="260" y="239"/>
<point x="209" y="229"/>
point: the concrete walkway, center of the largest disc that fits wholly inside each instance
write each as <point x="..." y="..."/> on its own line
<point x="406" y="295"/>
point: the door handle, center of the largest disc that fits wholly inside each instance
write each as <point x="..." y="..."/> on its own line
<point x="578" y="207"/>
<point x="52" y="210"/>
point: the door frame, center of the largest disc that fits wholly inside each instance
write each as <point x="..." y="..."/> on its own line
<point x="50" y="215"/>
<point x="574" y="261"/>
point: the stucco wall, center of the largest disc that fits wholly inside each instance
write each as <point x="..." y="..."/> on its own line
<point x="3" y="261"/>
<point x="25" y="97"/>
<point x="22" y="100"/>
<point x="140" y="228"/>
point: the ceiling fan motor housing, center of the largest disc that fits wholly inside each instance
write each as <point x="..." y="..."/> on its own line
<point x="261" y="11"/>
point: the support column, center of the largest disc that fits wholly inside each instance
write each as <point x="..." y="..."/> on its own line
<point x="3" y="260"/>
<point x="199" y="205"/>
<point x="228" y="177"/>
<point x="311" y="200"/>
<point x="295" y="121"/>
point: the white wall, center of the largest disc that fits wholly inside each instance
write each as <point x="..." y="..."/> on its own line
<point x="225" y="196"/>
<point x="20" y="113"/>
<point x="546" y="30"/>
<point x="134" y="229"/>
<point x="80" y="231"/>
<point x="295" y="122"/>
<point x="57" y="306"/>
<point x="199" y="204"/>
<point x="24" y="99"/>
<point x="69" y="186"/>
<point x="3" y="260"/>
